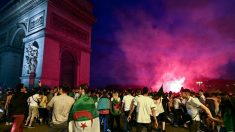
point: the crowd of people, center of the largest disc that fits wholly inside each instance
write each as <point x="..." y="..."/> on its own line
<point x="84" y="110"/>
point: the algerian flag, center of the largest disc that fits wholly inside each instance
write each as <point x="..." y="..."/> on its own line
<point x="84" y="116"/>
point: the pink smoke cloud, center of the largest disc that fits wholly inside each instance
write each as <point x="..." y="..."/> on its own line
<point x="184" y="45"/>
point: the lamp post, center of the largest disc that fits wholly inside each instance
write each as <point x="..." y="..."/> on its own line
<point x="199" y="83"/>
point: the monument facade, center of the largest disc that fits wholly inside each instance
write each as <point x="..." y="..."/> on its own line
<point x="47" y="41"/>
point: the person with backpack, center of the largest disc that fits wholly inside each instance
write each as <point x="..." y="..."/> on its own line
<point x="33" y="103"/>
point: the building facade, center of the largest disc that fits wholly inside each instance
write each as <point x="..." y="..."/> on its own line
<point x="47" y="41"/>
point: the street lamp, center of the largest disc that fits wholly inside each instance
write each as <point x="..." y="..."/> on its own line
<point x="199" y="83"/>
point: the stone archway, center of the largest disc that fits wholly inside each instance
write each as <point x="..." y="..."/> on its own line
<point x="67" y="69"/>
<point x="17" y="58"/>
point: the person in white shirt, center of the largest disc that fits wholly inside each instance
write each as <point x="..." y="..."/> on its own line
<point x="145" y="107"/>
<point x="126" y="106"/>
<point x="61" y="106"/>
<point x="33" y="102"/>
<point x="76" y="94"/>
<point x="160" y="114"/>
<point x="193" y="105"/>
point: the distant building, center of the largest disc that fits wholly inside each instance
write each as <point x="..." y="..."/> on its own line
<point x="47" y="40"/>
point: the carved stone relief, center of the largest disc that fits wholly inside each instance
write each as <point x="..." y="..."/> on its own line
<point x="31" y="57"/>
<point x="36" y="21"/>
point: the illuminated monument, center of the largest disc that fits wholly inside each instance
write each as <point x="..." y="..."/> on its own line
<point x="47" y="40"/>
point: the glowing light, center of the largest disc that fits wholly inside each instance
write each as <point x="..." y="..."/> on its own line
<point x="199" y="83"/>
<point x="175" y="85"/>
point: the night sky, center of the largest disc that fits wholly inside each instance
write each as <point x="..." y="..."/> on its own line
<point x="150" y="42"/>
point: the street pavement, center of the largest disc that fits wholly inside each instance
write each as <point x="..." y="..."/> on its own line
<point x="44" y="128"/>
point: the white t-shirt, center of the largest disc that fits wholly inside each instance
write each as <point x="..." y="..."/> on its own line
<point x="127" y="102"/>
<point x="76" y="96"/>
<point x="32" y="100"/>
<point x="158" y="106"/>
<point x="177" y="103"/>
<point x="61" y="107"/>
<point x="184" y="101"/>
<point x="135" y="100"/>
<point x="192" y="106"/>
<point x="144" y="105"/>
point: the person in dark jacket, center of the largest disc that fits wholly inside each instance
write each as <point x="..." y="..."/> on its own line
<point x="17" y="107"/>
<point x="227" y="112"/>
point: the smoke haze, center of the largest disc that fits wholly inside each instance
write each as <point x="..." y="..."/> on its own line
<point x="174" y="41"/>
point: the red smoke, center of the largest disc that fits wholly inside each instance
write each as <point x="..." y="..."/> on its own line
<point x="186" y="43"/>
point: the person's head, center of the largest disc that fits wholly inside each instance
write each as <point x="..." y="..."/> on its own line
<point x="156" y="96"/>
<point x="115" y="94"/>
<point x="56" y="89"/>
<point x="51" y="90"/>
<point x="9" y="92"/>
<point x="201" y="92"/>
<point x="39" y="83"/>
<point x="170" y="93"/>
<point x="145" y="90"/>
<point x="129" y="91"/>
<point x="177" y="95"/>
<point x="76" y="90"/>
<point x="20" y="88"/>
<point x="185" y="93"/>
<point x="40" y="93"/>
<point x="214" y="94"/>
<point x="192" y="94"/>
<point x="138" y="92"/>
<point x="64" y="89"/>
<point x="83" y="88"/>
<point x="105" y="94"/>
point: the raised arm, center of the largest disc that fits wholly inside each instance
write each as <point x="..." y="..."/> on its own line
<point x="209" y="113"/>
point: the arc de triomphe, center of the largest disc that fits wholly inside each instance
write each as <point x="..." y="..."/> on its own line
<point x="46" y="40"/>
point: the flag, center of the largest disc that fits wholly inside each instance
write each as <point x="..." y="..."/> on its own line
<point x="160" y="91"/>
<point x="84" y="116"/>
